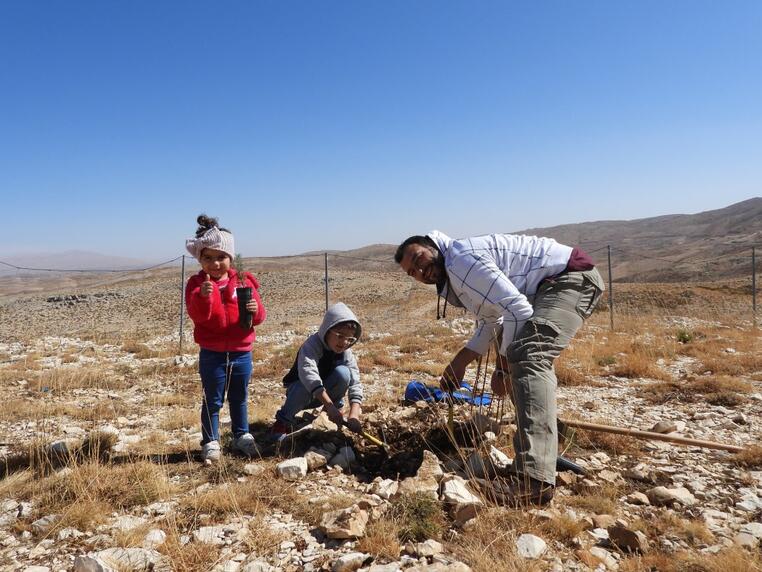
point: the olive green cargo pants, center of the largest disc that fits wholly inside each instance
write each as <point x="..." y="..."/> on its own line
<point x="560" y="307"/>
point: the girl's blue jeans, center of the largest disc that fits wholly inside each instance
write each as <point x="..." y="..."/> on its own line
<point x="298" y="398"/>
<point x="223" y="372"/>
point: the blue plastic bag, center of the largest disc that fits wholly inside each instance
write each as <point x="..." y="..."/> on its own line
<point x="418" y="391"/>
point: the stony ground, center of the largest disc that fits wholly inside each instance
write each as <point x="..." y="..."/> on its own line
<point x="99" y="439"/>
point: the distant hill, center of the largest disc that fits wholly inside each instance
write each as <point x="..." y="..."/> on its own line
<point x="705" y="246"/>
<point x="710" y="245"/>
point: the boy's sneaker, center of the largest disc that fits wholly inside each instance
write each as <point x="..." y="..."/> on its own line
<point x="246" y="445"/>
<point x="210" y="452"/>
<point x="278" y="430"/>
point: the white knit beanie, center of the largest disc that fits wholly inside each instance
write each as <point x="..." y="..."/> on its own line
<point x="212" y="238"/>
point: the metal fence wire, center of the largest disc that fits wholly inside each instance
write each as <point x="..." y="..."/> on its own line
<point x="607" y="272"/>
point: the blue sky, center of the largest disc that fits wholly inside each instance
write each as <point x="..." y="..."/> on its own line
<point x="332" y="125"/>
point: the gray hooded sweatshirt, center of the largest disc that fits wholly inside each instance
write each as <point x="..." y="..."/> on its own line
<point x="316" y="360"/>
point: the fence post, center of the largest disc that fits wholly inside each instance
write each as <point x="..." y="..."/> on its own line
<point x="611" y="291"/>
<point x="754" y="286"/>
<point x="325" y="254"/>
<point x="182" y="301"/>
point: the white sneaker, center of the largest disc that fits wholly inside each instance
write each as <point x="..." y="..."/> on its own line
<point x="210" y="452"/>
<point x="246" y="445"/>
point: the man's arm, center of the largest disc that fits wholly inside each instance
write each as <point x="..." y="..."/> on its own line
<point x="456" y="369"/>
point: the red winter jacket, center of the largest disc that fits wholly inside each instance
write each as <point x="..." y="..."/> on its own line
<point x="215" y="317"/>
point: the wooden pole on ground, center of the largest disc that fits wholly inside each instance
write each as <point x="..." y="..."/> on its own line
<point x="652" y="436"/>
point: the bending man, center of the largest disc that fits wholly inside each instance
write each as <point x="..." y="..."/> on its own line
<point x="530" y="295"/>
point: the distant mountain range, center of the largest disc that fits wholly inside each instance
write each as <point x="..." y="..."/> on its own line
<point x="709" y="245"/>
<point x="72" y="260"/>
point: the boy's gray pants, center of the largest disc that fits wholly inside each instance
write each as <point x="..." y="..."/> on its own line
<point x="560" y="307"/>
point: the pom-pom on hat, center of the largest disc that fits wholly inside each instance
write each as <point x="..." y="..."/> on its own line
<point x="212" y="238"/>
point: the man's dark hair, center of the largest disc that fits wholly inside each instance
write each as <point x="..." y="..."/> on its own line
<point x="417" y="239"/>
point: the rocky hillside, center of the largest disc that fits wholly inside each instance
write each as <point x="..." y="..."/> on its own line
<point x="99" y="438"/>
<point x="705" y="246"/>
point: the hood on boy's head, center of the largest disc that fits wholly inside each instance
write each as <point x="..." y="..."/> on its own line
<point x="335" y="315"/>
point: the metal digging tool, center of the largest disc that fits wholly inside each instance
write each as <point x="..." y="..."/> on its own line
<point x="371" y="438"/>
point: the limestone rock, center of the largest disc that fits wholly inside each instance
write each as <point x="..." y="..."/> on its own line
<point x="664" y="427"/>
<point x="637" y="498"/>
<point x="134" y="559"/>
<point x="292" y="469"/>
<point x="322" y="423"/>
<point x="429" y="468"/>
<point x="606" y="558"/>
<point x="385" y="488"/>
<point x="154" y="538"/>
<point x="463" y="504"/>
<point x="662" y="496"/>
<point x="628" y="540"/>
<point x="210" y="535"/>
<point x="257" y="566"/>
<point x="345" y="523"/>
<point x="530" y="546"/>
<point x="425" y="549"/>
<point x="316" y="458"/>
<point x="350" y="562"/>
<point x="86" y="564"/>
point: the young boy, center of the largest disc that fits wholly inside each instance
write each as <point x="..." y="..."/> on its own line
<point x="324" y="371"/>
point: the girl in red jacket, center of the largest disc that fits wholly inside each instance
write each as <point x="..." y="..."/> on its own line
<point x="224" y="361"/>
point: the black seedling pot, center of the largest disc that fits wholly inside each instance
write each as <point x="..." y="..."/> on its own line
<point x="245" y="317"/>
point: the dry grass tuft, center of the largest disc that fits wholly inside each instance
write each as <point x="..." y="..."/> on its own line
<point x="132" y="538"/>
<point x="751" y="458"/>
<point x="720" y="390"/>
<point x="664" y="523"/>
<point x="569" y="376"/>
<point x="381" y="539"/>
<point x="180" y="419"/>
<point x="490" y="544"/>
<point x="602" y="500"/>
<point x="89" y="492"/>
<point x="263" y="540"/>
<point x="734" y="559"/>
<point x="251" y="497"/>
<point x="563" y="528"/>
<point x="638" y="365"/>
<point x="190" y="557"/>
<point x="419" y="517"/>
<point x="140" y="350"/>
<point x="61" y="380"/>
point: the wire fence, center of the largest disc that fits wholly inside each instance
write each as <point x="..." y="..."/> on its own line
<point x="605" y="269"/>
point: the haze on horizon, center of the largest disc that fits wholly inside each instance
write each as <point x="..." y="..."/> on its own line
<point x="312" y="126"/>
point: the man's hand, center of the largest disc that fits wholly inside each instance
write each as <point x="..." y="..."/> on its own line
<point x="450" y="380"/>
<point x="354" y="425"/>
<point x="334" y="414"/>
<point x="207" y="287"/>
<point x="456" y="370"/>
